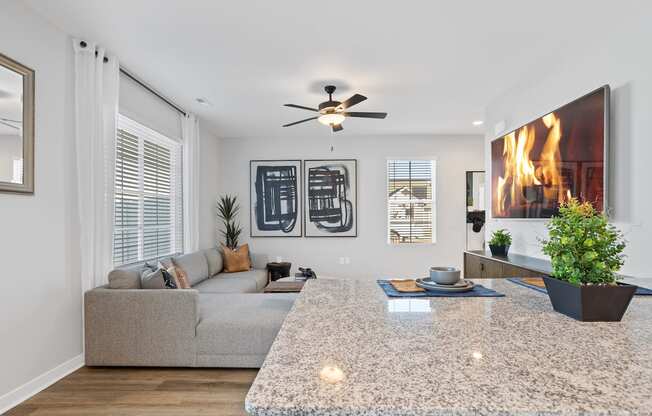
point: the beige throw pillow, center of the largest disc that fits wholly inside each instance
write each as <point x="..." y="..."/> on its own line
<point x="172" y="270"/>
<point x="236" y="260"/>
<point x="181" y="276"/>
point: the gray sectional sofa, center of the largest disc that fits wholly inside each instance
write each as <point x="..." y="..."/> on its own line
<point x="223" y="321"/>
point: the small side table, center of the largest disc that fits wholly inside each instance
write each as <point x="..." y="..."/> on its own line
<point x="278" y="270"/>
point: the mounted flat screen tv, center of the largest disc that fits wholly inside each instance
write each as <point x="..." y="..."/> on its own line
<point x="560" y="155"/>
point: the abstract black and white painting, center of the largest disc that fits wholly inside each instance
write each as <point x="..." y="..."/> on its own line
<point x="331" y="198"/>
<point x="275" y="198"/>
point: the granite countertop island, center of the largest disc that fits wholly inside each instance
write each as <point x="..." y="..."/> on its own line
<point x="347" y="349"/>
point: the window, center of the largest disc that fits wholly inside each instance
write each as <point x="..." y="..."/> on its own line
<point x="411" y="201"/>
<point x="148" y="217"/>
<point x="17" y="176"/>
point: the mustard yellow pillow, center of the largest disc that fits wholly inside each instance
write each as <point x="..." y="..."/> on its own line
<point x="236" y="260"/>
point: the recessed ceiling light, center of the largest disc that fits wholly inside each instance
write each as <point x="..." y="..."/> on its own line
<point x="478" y="123"/>
<point x="203" y="101"/>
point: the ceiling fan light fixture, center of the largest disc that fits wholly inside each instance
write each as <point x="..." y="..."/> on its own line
<point x="331" y="118"/>
<point x="332" y="113"/>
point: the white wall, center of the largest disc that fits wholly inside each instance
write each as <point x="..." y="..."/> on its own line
<point x="209" y="188"/>
<point x="371" y="256"/>
<point x="40" y="301"/>
<point x="618" y="56"/>
<point x="144" y="107"/>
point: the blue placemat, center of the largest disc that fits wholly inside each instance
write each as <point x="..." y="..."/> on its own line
<point x="640" y="291"/>
<point x="478" y="291"/>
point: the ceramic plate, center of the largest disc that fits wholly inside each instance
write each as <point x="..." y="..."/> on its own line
<point x="461" y="286"/>
<point x="429" y="281"/>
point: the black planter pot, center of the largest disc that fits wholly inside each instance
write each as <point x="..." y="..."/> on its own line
<point x="499" y="250"/>
<point x="589" y="303"/>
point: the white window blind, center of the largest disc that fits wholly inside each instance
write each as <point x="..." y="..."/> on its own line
<point x="148" y="199"/>
<point x="411" y="201"/>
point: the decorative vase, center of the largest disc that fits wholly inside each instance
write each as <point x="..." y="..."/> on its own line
<point x="594" y="303"/>
<point x="499" y="250"/>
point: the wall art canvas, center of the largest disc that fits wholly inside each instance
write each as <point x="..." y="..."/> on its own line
<point x="275" y="196"/>
<point x="331" y="198"/>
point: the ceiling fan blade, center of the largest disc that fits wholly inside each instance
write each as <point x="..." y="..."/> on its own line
<point x="301" y="107"/>
<point x="365" y="115"/>
<point x="337" y="127"/>
<point x="355" y="99"/>
<point x="300" y="121"/>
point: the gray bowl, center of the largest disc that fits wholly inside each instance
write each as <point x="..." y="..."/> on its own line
<point x="445" y="275"/>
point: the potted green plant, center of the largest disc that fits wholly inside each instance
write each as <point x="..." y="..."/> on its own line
<point x="500" y="242"/>
<point x="586" y="252"/>
<point x="227" y="211"/>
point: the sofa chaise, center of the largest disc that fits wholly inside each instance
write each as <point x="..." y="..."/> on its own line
<point x="223" y="321"/>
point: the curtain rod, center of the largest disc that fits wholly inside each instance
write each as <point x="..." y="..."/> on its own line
<point x="143" y="84"/>
<point x="153" y="91"/>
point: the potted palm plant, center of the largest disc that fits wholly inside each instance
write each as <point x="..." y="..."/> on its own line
<point x="500" y="242"/>
<point x="586" y="252"/>
<point x="227" y="211"/>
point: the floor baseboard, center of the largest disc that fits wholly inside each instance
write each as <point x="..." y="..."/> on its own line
<point x="45" y="380"/>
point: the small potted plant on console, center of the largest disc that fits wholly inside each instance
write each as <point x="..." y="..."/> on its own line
<point x="500" y="242"/>
<point x="585" y="252"/>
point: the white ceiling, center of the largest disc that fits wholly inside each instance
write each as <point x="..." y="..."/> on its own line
<point x="432" y="65"/>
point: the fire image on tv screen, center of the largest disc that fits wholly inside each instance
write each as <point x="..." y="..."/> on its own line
<point x="544" y="163"/>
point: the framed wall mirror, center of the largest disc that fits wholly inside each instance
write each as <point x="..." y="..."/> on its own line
<point x="475" y="210"/>
<point x="16" y="127"/>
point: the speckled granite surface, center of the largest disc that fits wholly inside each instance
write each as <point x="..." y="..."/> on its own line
<point x="346" y="349"/>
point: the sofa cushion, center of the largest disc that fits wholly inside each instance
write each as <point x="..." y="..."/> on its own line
<point x="226" y="284"/>
<point x="194" y="265"/>
<point x="251" y="281"/>
<point x="126" y="277"/>
<point x="215" y="262"/>
<point x="261" y="277"/>
<point x="242" y="324"/>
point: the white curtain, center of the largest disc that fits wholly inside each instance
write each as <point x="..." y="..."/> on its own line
<point x="96" y="108"/>
<point x="191" y="155"/>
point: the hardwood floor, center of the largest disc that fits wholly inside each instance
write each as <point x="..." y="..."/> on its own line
<point x="143" y="391"/>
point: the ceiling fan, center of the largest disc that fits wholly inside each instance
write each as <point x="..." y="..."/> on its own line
<point x="333" y="113"/>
